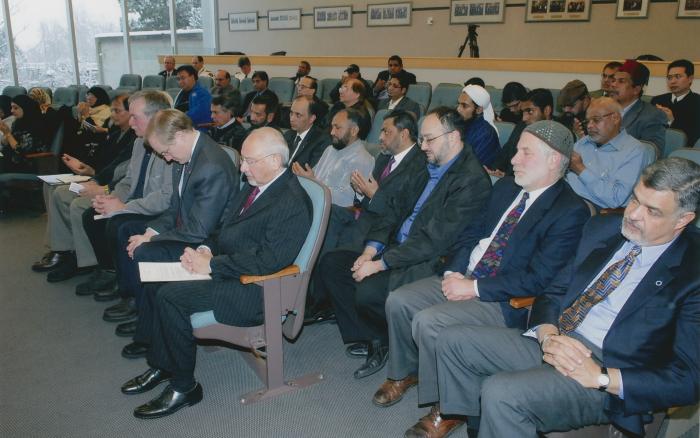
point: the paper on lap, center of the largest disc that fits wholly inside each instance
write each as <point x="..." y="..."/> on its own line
<point x="154" y="271"/>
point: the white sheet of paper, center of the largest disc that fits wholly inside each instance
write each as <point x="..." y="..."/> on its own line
<point x="69" y="178"/>
<point x="75" y="187"/>
<point x="54" y="179"/>
<point x="154" y="271"/>
<point x="109" y="215"/>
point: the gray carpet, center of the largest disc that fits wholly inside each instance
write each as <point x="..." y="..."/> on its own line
<point x="60" y="370"/>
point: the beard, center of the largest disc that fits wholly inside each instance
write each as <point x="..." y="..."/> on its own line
<point x="340" y="143"/>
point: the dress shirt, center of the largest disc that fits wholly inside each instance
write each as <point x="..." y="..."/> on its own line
<point x="627" y="108"/>
<point x="400" y="156"/>
<point x="335" y="167"/>
<point x="611" y="170"/>
<point x="302" y="136"/>
<point x="393" y="103"/>
<point x="676" y="99"/>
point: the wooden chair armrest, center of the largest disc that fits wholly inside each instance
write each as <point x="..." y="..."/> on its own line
<point x="521" y="302"/>
<point x="610" y="211"/>
<point x="289" y="270"/>
<point x="39" y="155"/>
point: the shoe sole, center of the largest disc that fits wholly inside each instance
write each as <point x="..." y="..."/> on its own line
<point x="124" y="334"/>
<point x="119" y="318"/>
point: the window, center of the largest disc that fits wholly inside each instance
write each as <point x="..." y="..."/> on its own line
<point x="99" y="21"/>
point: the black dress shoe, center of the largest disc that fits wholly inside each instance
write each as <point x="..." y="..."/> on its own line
<point x="169" y="402"/>
<point x="146" y="381"/>
<point x="325" y="315"/>
<point x="50" y="260"/>
<point x="68" y="268"/>
<point x="106" y="295"/>
<point x="135" y="350"/>
<point x="126" y="329"/>
<point x="121" y="306"/>
<point x="99" y="280"/>
<point x="377" y="355"/>
<point x="123" y="311"/>
<point x="358" y="349"/>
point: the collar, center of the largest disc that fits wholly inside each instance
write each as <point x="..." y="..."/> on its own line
<point x="436" y="171"/>
<point x="649" y="254"/>
<point x="628" y="107"/>
<point x="393" y="103"/>
<point x="536" y="193"/>
<point x="679" y="98"/>
<point x="401" y="155"/>
<point x="265" y="186"/>
<point x="227" y="124"/>
<point x="303" y="135"/>
<point x="196" y="139"/>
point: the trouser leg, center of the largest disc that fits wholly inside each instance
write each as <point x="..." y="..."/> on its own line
<point x="370" y="300"/>
<point x="337" y="282"/>
<point x="59" y="219"/>
<point x="81" y="243"/>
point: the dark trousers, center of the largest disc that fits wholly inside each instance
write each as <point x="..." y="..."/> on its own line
<point x="145" y="293"/>
<point x="359" y="307"/>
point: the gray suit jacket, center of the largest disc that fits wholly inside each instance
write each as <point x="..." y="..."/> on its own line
<point x="157" y="188"/>
<point x="646" y="122"/>
<point x="406" y="104"/>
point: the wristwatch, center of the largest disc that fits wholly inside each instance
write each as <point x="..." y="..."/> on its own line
<point x="603" y="379"/>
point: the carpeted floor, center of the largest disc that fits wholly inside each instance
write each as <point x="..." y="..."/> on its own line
<point x="61" y="369"/>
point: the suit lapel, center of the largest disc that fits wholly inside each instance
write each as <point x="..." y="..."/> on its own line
<point x="632" y="114"/>
<point x="267" y="198"/>
<point x="193" y="161"/>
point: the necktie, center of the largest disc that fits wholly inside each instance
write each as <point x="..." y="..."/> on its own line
<point x="178" y="221"/>
<point x="491" y="260"/>
<point x="387" y="169"/>
<point x="601" y="288"/>
<point x="295" y="146"/>
<point x="249" y="200"/>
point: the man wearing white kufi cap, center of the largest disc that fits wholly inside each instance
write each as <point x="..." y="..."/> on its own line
<point x="474" y="105"/>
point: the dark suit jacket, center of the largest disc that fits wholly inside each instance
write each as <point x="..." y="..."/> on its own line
<point x="541" y="244"/>
<point x="686" y="114"/>
<point x="654" y="339"/>
<point x="453" y="203"/>
<point x="265" y="239"/>
<point x="251" y="95"/>
<point x="406" y="104"/>
<point x="509" y="149"/>
<point x="209" y="179"/>
<point x="233" y="135"/>
<point x="646" y="122"/>
<point x="311" y="148"/>
<point x="165" y="74"/>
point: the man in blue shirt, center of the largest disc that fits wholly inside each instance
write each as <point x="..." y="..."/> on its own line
<point x="606" y="163"/>
<point x="420" y="224"/>
<point x="193" y="99"/>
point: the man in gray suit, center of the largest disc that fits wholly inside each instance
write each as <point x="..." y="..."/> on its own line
<point x="397" y="87"/>
<point x="640" y="119"/>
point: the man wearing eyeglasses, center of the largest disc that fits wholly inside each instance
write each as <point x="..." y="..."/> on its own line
<point x="606" y="78"/>
<point x="574" y="101"/>
<point x="681" y="105"/>
<point x="606" y="164"/>
<point x="397" y="87"/>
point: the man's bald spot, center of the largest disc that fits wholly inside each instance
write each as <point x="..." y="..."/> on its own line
<point x="608" y="104"/>
<point x="265" y="139"/>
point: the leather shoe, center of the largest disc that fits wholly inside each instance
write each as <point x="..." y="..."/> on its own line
<point x="99" y="280"/>
<point x="392" y="391"/>
<point x="169" y="402"/>
<point x="433" y="425"/>
<point x="321" y="316"/>
<point x="146" y="381"/>
<point x="135" y="350"/>
<point x="377" y="355"/>
<point x="49" y="261"/>
<point x="126" y="329"/>
<point x="358" y="349"/>
<point x="123" y="311"/>
<point x="107" y="295"/>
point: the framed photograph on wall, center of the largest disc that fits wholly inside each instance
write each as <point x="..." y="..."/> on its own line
<point x="285" y="19"/>
<point x="632" y="8"/>
<point x="238" y="21"/>
<point x="336" y="16"/>
<point x="688" y="9"/>
<point x="476" y="11"/>
<point x="389" y="14"/>
<point x="558" y="10"/>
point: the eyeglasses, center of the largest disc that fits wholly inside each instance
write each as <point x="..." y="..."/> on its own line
<point x="676" y="77"/>
<point x="252" y="161"/>
<point x="302" y="86"/>
<point x="427" y="141"/>
<point x="393" y="85"/>
<point x="597" y="119"/>
<point x="530" y="110"/>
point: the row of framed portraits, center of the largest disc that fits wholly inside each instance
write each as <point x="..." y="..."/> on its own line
<point x="461" y="11"/>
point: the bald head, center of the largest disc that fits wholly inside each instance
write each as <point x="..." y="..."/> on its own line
<point x="603" y="119"/>
<point x="263" y="156"/>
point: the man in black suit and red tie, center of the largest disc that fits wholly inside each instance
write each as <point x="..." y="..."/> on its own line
<point x="265" y="227"/>
<point x="681" y="105"/>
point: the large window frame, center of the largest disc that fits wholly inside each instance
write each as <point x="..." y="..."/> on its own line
<point x="71" y="30"/>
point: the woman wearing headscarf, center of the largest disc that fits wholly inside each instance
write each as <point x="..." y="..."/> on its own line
<point x="474" y="105"/>
<point x="6" y="116"/>
<point x="49" y="115"/>
<point x="24" y="137"/>
<point x="82" y="136"/>
<point x="95" y="110"/>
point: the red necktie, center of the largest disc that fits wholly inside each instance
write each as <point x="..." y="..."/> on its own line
<point x="249" y="201"/>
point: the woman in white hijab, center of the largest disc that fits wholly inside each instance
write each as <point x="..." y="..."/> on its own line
<point x="474" y="105"/>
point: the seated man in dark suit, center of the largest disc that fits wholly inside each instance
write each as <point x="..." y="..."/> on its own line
<point x="395" y="64"/>
<point x="169" y="64"/>
<point x="617" y="328"/>
<point x="306" y="140"/>
<point x="193" y="99"/>
<point x="640" y="119"/>
<point x="263" y="111"/>
<point x="226" y="130"/>
<point x="222" y="81"/>
<point x="265" y="228"/>
<point x="203" y="179"/>
<point x="418" y="227"/>
<point x="400" y="160"/>
<point x="681" y="105"/>
<point x="260" y="82"/>
<point x="527" y="232"/>
<point x="397" y="87"/>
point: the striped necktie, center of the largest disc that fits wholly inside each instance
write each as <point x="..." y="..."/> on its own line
<point x="249" y="201"/>
<point x="491" y="260"/>
<point x="608" y="281"/>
